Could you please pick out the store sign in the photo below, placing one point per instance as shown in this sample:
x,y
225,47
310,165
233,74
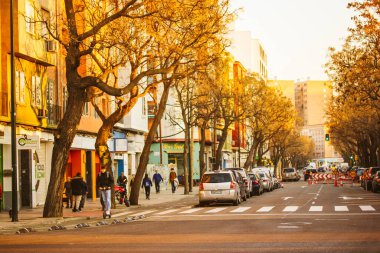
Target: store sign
x,y
40,170
173,147
28,141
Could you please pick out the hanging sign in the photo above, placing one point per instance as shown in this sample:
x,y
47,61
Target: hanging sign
x,y
28,141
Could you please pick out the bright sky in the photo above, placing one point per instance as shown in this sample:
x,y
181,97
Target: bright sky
x,y
295,33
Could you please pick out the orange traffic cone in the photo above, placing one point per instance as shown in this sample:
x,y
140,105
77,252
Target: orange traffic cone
x,y
336,182
341,182
309,180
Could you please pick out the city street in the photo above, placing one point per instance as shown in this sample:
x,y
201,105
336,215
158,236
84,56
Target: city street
x,y
296,218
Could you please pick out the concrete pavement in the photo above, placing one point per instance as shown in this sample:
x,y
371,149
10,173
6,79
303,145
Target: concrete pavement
x,y
91,213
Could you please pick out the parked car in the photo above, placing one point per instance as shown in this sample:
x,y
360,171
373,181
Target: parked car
x,y
276,183
257,183
368,181
376,182
247,182
290,174
267,181
359,173
243,186
219,186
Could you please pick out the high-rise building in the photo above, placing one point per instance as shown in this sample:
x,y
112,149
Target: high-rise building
x,y
286,86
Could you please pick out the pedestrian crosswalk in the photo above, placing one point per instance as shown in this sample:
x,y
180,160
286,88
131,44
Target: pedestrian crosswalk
x,y
257,210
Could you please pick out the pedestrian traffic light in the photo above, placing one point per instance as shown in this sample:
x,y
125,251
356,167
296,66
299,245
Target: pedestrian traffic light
x,y
327,137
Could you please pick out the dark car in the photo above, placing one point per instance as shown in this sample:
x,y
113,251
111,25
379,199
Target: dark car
x,y
257,183
240,180
376,182
368,181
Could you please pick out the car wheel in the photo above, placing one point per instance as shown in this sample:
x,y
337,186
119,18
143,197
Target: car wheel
x,y
248,195
201,204
245,197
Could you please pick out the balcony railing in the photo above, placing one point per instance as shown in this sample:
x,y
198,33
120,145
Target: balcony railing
x,y
54,114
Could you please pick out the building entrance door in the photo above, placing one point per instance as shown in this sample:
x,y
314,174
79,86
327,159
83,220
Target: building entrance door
x,y
26,178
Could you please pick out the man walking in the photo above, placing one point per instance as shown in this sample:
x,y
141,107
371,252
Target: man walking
x,y
157,178
172,178
147,183
77,185
104,182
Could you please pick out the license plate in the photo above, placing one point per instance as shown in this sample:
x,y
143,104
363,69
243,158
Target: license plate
x,y
216,192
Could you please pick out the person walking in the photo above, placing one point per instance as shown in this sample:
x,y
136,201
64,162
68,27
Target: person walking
x,y
147,183
104,182
77,189
122,182
157,178
172,179
68,192
84,195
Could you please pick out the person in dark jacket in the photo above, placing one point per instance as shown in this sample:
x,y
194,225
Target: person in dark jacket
x,y
104,182
157,178
147,183
77,189
84,195
68,192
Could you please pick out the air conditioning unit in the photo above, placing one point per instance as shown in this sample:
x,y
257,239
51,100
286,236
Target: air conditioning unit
x,y
51,45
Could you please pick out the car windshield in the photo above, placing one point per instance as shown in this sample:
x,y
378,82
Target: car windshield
x,y
289,170
262,174
216,178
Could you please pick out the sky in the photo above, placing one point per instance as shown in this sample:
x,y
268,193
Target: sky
x,y
295,34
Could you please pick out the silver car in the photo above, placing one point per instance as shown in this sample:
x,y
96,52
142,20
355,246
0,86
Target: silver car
x,y
267,181
247,181
290,174
219,186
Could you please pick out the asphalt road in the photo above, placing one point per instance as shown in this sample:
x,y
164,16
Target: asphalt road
x,y
296,218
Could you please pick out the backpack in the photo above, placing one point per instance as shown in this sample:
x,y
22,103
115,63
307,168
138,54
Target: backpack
x,y
147,183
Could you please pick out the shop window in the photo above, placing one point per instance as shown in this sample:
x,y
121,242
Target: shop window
x,y
29,17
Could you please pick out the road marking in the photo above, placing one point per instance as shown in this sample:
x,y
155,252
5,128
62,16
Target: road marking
x,y
316,209
341,209
145,212
349,198
287,226
286,198
167,211
121,214
265,209
290,209
303,186
216,210
240,210
193,210
367,208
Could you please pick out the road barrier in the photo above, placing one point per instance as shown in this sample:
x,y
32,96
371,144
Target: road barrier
x,y
327,178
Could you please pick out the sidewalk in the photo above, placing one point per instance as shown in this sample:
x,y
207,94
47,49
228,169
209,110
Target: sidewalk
x,y
91,213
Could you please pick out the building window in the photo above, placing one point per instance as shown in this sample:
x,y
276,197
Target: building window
x,y
50,94
29,17
20,87
85,109
36,91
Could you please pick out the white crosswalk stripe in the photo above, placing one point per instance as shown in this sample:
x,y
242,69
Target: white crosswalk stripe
x,y
145,212
193,210
290,209
265,209
167,211
341,209
316,209
240,209
367,208
216,210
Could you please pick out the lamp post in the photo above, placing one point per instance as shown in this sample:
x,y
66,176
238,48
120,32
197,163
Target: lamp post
x,y
13,124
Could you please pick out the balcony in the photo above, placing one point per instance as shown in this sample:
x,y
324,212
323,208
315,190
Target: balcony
x,y
54,114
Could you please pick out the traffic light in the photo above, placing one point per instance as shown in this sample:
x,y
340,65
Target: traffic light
x,y
327,137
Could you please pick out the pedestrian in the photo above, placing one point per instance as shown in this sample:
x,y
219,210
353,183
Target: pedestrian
x,y
104,182
77,189
122,180
68,193
172,179
157,178
84,195
147,183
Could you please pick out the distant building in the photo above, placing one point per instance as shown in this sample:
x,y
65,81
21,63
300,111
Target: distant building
x,y
286,86
250,52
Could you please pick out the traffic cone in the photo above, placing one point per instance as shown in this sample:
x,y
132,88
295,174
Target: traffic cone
x,y
341,182
309,180
336,182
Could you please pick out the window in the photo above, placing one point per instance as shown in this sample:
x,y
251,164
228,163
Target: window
x,y
96,116
85,109
44,25
50,93
29,17
36,91
20,87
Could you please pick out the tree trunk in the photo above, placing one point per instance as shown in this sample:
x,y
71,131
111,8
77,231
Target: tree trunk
x,y
223,139
144,158
186,161
202,162
191,157
251,155
64,137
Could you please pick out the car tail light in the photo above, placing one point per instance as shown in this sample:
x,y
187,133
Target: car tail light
x,y
201,187
255,182
246,182
232,185
265,180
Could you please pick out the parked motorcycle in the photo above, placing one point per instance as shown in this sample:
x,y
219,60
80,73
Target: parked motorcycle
x,y
121,195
